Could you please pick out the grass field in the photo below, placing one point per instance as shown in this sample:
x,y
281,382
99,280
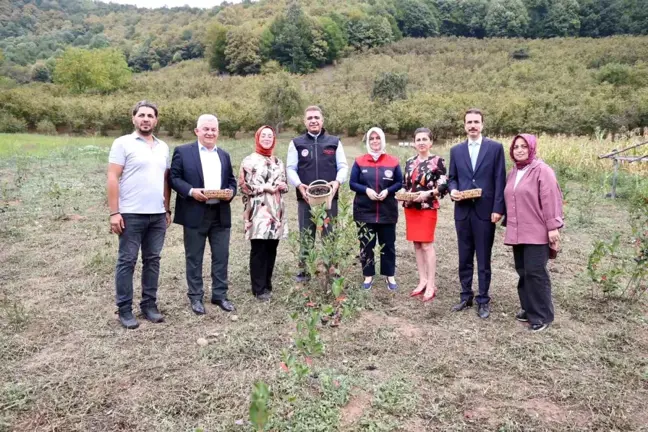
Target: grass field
x,y
395,364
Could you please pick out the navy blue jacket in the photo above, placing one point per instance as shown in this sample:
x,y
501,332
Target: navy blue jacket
x,y
385,173
187,173
489,175
317,160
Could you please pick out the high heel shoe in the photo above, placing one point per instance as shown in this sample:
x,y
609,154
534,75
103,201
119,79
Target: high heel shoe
x,y
430,298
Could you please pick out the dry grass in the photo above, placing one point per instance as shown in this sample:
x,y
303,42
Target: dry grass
x,y
66,365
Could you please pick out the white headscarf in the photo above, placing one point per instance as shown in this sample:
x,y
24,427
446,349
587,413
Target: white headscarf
x,y
383,143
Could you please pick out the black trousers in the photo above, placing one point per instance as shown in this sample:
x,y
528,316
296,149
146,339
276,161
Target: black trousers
x,y
475,237
534,286
386,236
263,254
194,244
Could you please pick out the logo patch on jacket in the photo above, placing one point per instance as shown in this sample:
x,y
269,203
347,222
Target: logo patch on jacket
x,y
305,152
389,173
329,152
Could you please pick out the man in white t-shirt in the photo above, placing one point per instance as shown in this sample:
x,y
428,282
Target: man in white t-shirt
x,y
138,197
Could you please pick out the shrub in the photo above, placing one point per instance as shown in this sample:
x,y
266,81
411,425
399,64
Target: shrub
x,y
619,74
390,86
11,124
46,127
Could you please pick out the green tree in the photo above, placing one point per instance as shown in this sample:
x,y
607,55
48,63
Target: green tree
x,y
243,51
507,18
390,86
281,99
600,18
368,31
100,71
415,19
562,19
335,38
290,40
553,18
462,17
216,43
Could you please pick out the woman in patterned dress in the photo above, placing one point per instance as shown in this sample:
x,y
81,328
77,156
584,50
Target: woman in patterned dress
x,y
424,173
262,181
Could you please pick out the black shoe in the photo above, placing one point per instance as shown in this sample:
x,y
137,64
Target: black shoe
x,y
127,319
224,304
538,327
302,276
152,313
483,311
464,304
198,307
522,316
266,296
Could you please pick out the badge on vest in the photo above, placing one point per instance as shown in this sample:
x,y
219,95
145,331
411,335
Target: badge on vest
x,y
329,152
389,173
305,152
364,171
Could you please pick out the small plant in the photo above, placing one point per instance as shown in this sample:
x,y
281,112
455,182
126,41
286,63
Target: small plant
x,y
57,196
621,268
308,339
330,260
14,312
259,406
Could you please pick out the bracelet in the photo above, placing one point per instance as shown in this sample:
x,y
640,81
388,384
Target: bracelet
x,y
115,213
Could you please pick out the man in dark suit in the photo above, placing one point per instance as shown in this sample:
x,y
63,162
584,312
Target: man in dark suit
x,y
477,163
197,167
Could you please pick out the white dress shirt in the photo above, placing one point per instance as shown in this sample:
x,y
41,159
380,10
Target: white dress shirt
x,y
211,166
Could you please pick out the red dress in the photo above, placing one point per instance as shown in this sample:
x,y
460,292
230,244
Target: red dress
x,y
421,218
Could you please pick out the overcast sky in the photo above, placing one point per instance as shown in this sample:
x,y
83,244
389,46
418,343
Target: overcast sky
x,y
171,3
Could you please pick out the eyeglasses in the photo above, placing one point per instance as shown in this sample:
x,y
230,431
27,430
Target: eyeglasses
x,y
313,118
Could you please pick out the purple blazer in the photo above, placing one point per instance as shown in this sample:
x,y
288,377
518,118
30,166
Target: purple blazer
x,y
534,207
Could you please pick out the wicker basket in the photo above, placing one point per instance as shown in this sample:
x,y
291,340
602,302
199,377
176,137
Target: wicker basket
x,y
471,193
221,194
403,195
315,200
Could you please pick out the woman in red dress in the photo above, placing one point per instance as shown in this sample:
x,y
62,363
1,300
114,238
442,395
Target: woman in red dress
x,y
424,173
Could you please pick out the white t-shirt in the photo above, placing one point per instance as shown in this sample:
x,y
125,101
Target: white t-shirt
x,y
519,175
141,186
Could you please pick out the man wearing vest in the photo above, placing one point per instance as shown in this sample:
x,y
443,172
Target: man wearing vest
x,y
315,155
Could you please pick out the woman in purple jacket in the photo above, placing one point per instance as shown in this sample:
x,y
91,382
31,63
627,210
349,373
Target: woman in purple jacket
x,y
533,217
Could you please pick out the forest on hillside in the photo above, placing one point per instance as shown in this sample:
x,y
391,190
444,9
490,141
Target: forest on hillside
x,y
268,35
579,86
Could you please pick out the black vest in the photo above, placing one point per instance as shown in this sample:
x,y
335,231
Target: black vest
x,y
316,158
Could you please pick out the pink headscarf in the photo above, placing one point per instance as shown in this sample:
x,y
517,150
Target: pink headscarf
x,y
532,142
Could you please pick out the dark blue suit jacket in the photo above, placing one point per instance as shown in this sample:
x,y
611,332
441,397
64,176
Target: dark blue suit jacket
x,y
489,175
187,173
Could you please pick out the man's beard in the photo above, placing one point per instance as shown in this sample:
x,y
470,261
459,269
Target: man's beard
x,y
145,132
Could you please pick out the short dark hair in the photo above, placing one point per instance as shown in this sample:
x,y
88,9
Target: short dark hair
x,y
314,108
145,104
425,131
474,111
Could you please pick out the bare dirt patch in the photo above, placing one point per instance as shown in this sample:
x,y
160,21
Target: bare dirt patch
x,y
355,408
402,326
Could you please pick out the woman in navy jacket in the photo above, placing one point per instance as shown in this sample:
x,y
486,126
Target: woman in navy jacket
x,y
375,178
